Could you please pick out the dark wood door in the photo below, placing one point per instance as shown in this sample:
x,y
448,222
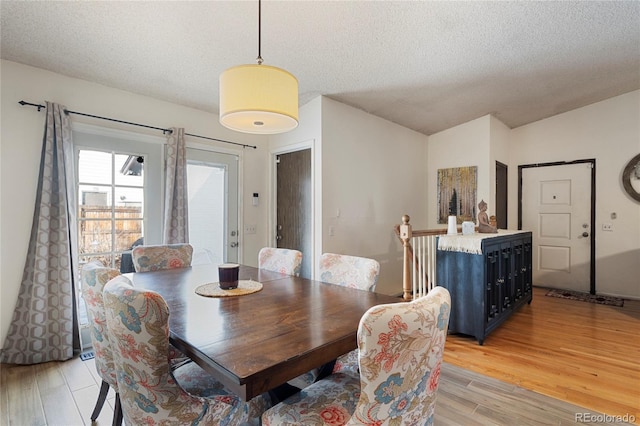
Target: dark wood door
x,y
293,208
501,195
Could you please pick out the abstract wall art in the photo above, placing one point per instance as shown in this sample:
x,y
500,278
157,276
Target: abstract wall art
x,y
457,190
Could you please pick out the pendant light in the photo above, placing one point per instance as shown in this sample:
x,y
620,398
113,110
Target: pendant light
x,y
258,98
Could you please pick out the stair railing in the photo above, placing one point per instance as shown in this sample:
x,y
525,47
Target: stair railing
x,y
419,267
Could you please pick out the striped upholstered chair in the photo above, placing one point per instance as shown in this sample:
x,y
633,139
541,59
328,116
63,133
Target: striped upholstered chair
x,y
150,391
157,257
401,348
286,261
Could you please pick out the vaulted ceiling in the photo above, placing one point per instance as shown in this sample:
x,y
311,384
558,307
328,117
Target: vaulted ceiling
x,y
427,65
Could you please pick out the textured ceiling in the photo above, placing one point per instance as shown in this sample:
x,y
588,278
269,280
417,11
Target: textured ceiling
x,y
422,64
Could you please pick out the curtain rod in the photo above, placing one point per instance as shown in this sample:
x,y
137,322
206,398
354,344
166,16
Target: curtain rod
x,y
164,131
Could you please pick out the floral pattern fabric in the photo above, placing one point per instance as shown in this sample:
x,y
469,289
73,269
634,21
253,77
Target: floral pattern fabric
x,y
401,347
306,379
347,363
285,261
94,277
354,272
138,321
155,258
349,271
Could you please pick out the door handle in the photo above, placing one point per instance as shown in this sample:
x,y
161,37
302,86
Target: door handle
x,y
234,244
585,234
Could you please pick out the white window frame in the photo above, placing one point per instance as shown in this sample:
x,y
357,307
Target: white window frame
x,y
151,147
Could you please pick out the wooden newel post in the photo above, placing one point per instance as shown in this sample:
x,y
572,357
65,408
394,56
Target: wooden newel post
x,y
405,237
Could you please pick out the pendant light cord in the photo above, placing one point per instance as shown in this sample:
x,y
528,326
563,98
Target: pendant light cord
x,y
259,58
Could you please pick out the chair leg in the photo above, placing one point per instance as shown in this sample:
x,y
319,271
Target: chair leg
x,y
117,412
104,390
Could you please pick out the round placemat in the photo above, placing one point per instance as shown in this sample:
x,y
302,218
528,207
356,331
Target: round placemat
x,y
244,287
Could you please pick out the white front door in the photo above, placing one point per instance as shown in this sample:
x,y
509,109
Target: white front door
x,y
556,207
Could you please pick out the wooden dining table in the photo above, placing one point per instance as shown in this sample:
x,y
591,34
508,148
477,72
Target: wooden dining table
x,y
255,342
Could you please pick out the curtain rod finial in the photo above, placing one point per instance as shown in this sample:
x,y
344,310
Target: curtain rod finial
x,y
23,103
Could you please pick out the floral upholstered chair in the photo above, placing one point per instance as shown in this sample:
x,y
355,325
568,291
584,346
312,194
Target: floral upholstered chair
x,y
138,323
354,272
159,257
347,271
286,261
401,347
94,277
155,258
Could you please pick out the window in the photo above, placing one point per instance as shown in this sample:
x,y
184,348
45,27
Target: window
x,y
119,190
206,210
119,184
120,197
212,180
110,205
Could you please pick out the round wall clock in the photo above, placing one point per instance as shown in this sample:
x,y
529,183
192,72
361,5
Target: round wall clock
x,y
631,171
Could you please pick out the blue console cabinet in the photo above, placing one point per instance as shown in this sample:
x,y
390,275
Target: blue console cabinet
x,y
486,288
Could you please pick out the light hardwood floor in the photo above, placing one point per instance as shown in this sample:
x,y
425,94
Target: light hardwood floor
x,y
551,361
583,353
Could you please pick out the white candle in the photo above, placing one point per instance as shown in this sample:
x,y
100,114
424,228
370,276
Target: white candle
x,y
453,226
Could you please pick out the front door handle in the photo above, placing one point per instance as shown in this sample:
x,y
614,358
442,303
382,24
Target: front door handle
x,y
585,234
234,244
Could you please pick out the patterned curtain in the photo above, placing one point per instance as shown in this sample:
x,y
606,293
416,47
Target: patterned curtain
x,y
176,217
44,325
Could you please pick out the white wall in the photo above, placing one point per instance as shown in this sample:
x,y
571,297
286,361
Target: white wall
x,y
21,137
608,131
368,173
465,145
373,172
